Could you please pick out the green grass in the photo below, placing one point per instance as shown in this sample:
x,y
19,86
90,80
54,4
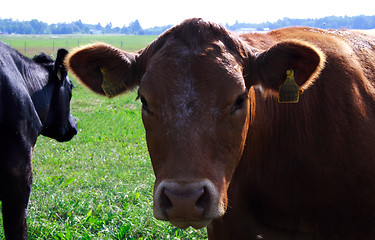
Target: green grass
x,y
50,43
99,185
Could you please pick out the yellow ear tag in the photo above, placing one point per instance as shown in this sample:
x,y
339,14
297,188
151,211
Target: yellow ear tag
x,y
112,87
289,90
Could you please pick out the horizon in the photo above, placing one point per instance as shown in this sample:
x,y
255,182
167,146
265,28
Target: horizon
x,y
230,24
167,12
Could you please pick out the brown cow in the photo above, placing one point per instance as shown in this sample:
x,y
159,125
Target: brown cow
x,y
226,154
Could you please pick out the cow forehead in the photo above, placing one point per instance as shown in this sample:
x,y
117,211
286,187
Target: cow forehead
x,y
192,89
181,71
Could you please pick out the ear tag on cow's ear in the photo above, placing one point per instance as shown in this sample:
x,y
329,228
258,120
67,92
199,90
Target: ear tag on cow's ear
x,y
289,90
112,87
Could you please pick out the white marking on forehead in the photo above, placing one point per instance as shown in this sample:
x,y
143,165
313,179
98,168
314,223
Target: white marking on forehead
x,y
185,101
190,114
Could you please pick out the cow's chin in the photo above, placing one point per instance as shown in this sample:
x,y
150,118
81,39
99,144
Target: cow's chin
x,y
194,224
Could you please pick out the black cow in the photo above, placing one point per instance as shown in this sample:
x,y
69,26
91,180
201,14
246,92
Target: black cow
x,y
34,99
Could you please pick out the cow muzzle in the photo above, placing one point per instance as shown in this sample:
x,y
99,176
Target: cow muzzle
x,y
69,131
187,204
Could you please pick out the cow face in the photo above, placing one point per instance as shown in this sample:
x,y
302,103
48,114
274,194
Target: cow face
x,y
194,85
59,123
195,112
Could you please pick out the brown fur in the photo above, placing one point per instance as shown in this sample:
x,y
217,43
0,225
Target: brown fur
x,y
280,171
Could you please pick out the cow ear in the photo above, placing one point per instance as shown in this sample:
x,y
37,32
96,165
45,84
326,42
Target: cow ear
x,y
104,69
59,67
270,67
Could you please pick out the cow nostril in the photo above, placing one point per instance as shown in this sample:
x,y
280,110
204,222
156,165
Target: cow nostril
x,y
74,130
165,202
203,201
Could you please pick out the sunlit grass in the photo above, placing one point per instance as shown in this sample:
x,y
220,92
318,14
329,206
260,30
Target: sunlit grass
x,y
31,45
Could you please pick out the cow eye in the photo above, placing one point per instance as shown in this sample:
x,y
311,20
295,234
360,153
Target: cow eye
x,y
145,106
239,103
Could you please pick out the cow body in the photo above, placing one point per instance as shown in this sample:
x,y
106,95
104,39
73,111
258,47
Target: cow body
x,y
308,169
33,101
226,154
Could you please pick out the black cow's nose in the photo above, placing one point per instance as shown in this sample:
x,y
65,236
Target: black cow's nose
x,y
73,126
74,131
69,132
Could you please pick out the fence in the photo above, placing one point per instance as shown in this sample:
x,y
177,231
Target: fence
x,y
25,49
33,45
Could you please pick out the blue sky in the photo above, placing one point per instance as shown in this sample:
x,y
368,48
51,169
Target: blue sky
x,y
164,12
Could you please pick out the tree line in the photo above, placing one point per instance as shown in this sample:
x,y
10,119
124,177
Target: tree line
x,y
332,22
10,26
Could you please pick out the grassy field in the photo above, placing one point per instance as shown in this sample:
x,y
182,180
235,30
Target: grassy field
x,y
31,45
99,185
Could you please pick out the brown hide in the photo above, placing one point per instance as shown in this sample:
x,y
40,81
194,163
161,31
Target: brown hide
x,y
308,170
226,154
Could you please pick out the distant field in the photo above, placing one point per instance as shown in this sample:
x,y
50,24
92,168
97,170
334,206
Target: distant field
x,y
99,185
50,43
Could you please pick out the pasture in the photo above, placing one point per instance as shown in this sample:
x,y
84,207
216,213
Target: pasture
x,y
99,185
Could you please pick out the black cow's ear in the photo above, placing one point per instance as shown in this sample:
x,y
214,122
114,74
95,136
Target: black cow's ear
x,y
59,68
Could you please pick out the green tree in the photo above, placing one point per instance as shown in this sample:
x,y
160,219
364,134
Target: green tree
x,y
135,27
38,27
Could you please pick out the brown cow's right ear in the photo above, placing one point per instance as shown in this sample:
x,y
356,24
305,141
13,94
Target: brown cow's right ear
x,y
104,69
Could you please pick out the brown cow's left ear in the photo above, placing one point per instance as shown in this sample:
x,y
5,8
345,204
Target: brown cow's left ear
x,y
269,68
104,69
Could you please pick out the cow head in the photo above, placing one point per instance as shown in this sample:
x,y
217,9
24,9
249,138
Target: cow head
x,y
194,83
58,123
